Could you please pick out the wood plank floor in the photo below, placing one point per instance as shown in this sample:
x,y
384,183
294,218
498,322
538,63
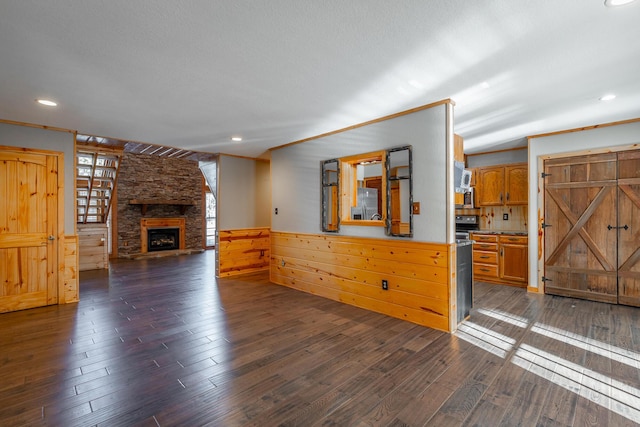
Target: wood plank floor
x,y
160,342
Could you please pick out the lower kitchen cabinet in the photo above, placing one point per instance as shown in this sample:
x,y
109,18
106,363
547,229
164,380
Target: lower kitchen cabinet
x,y
500,258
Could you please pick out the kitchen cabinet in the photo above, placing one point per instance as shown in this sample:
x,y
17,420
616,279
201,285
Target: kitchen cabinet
x,y
500,258
516,184
504,185
485,256
474,177
513,258
491,186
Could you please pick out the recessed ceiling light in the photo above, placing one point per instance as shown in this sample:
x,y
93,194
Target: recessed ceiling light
x,y
485,85
47,102
614,3
236,138
608,97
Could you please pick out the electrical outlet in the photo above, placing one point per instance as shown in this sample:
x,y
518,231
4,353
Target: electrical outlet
x,y
385,285
275,211
505,217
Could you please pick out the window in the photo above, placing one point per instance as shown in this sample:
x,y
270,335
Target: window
x,y
362,194
371,189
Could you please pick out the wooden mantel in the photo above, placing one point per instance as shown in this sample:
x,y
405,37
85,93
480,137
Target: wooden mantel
x,y
184,204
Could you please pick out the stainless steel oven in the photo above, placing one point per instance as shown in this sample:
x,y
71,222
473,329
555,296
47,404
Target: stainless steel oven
x,y
466,224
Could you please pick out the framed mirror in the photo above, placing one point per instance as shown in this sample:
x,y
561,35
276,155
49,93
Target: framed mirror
x,y
399,186
330,199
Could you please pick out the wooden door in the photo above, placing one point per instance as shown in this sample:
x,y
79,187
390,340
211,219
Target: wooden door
x,y
628,228
491,182
516,184
28,229
580,250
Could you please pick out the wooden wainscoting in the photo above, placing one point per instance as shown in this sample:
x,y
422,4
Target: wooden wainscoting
x,y
351,270
70,292
93,246
242,251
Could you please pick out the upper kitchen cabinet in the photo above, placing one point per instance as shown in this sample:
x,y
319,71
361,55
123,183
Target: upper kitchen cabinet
x,y
491,186
502,185
516,184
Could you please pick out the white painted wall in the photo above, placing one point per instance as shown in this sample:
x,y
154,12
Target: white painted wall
x,y
603,139
243,193
29,137
263,193
499,158
295,174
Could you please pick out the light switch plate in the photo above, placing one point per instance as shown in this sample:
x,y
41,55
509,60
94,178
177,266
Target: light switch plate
x,y
416,208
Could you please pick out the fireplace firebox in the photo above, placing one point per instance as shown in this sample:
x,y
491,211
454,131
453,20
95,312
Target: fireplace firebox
x,y
161,225
163,239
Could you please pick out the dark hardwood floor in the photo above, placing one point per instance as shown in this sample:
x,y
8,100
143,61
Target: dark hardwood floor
x,y
160,342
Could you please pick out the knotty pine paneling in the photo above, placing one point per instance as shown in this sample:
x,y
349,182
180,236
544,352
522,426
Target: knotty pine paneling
x,y
491,218
351,270
70,292
93,247
242,251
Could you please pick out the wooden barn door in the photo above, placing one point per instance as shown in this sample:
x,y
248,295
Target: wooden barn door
x,y
580,209
28,229
629,227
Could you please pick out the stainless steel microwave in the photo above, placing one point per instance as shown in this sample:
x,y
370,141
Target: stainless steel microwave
x,y
469,202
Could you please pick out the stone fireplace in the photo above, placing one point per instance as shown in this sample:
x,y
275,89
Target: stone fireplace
x,y
161,234
154,184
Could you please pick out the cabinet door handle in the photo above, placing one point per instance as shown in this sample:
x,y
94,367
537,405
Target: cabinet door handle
x,y
484,257
484,269
507,196
501,252
500,197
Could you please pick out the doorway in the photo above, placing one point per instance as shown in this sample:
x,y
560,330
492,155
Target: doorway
x,y
209,171
210,219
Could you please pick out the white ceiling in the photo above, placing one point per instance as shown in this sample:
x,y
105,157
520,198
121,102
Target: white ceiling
x,y
192,73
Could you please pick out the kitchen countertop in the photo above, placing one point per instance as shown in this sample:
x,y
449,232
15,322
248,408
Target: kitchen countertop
x,y
516,233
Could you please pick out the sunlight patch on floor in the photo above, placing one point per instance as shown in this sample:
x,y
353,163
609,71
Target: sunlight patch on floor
x,y
618,354
488,340
598,388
